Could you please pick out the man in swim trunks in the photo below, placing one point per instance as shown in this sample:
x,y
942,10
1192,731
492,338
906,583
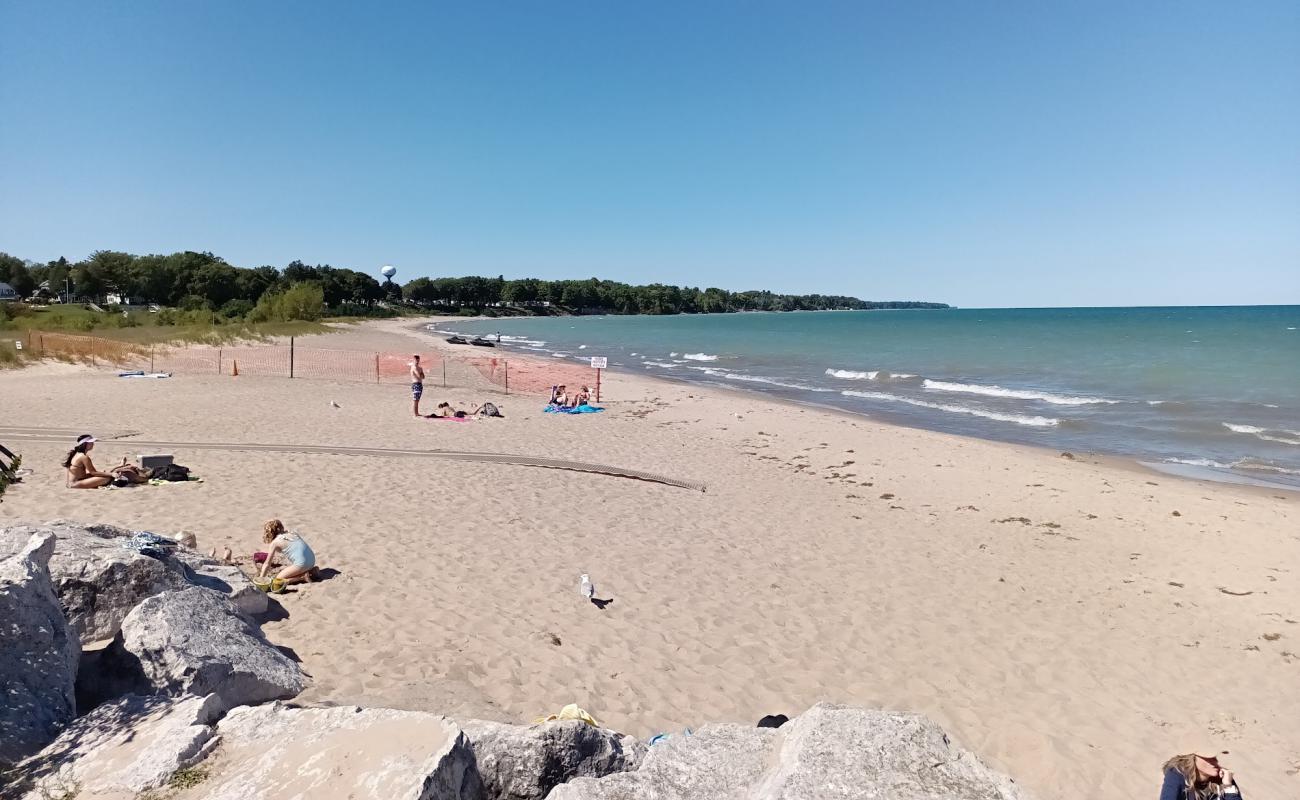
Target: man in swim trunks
x,y
417,384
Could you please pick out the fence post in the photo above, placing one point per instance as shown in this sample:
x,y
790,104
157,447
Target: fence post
x,y
219,353
376,368
92,351
42,336
290,356
151,358
444,372
506,365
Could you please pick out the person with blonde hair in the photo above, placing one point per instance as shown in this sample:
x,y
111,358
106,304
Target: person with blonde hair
x,y
1193,777
296,551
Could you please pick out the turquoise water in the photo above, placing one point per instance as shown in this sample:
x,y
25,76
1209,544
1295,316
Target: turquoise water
x,y
1217,388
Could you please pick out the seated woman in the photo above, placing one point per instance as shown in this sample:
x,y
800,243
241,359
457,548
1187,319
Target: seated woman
x,y
559,396
301,560
83,475
582,398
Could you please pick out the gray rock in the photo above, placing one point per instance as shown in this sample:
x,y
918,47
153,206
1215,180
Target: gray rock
x,y
225,578
125,747
342,752
827,753
519,762
98,581
38,653
195,641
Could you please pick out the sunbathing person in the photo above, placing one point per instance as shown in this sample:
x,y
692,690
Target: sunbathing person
x,y
301,560
559,397
445,410
83,475
582,398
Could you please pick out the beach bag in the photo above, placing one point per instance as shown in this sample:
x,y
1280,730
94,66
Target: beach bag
x,y
171,472
490,410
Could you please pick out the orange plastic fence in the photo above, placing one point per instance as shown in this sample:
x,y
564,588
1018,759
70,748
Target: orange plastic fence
x,y
522,376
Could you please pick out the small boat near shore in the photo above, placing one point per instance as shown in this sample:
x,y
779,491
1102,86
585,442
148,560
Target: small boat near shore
x,y
456,340
481,342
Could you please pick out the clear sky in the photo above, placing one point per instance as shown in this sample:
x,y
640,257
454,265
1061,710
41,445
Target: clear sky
x,y
983,154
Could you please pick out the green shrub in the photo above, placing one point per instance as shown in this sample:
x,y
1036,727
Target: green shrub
x,y
165,316
236,309
301,301
192,302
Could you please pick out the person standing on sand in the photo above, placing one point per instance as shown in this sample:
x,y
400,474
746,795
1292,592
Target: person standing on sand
x,y
1193,777
417,384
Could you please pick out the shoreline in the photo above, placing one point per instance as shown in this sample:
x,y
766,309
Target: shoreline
x,y
1200,475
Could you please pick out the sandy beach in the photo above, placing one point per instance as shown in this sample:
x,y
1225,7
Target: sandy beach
x,y
1073,620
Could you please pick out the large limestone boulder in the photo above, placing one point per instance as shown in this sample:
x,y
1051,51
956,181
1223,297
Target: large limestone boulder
x,y
195,641
122,748
341,752
827,753
38,653
224,578
99,581
519,762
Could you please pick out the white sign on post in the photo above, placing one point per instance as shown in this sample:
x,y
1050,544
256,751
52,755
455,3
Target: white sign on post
x,y
18,345
599,362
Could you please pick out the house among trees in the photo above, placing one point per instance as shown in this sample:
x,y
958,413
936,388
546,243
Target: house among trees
x,y
8,292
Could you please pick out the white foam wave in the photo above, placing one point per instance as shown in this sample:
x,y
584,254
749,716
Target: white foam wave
x,y
1198,462
1282,436
851,375
524,340
659,364
699,357
1019,394
1019,419
739,376
1242,428
582,347
560,355
672,355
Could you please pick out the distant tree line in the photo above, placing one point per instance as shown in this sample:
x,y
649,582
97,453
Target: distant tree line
x,y
204,282
593,295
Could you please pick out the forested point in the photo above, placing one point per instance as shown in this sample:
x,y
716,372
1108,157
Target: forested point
x,y
193,281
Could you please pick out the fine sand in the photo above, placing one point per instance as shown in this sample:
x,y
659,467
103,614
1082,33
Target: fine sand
x,y
1075,621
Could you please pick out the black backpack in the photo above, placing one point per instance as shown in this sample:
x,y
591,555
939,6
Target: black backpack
x,y
171,472
489,410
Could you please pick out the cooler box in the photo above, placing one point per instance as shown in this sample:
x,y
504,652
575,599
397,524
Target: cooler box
x,y
154,461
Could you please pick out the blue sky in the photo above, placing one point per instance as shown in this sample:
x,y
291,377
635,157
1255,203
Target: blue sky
x,y
983,154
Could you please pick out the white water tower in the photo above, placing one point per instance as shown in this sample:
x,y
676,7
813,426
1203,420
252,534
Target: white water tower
x,y
388,272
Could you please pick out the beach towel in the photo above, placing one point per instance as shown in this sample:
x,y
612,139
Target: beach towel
x,y
575,410
143,374
452,419
571,711
160,482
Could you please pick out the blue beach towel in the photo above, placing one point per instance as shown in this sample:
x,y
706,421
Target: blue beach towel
x,y
575,410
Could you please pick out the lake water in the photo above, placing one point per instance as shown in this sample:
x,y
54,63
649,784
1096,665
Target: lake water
x,y
1207,389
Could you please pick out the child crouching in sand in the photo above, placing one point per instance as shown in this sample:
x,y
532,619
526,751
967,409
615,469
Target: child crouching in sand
x,y
296,551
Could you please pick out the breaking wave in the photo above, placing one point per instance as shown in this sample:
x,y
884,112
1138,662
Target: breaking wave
x,y
1019,394
1018,419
